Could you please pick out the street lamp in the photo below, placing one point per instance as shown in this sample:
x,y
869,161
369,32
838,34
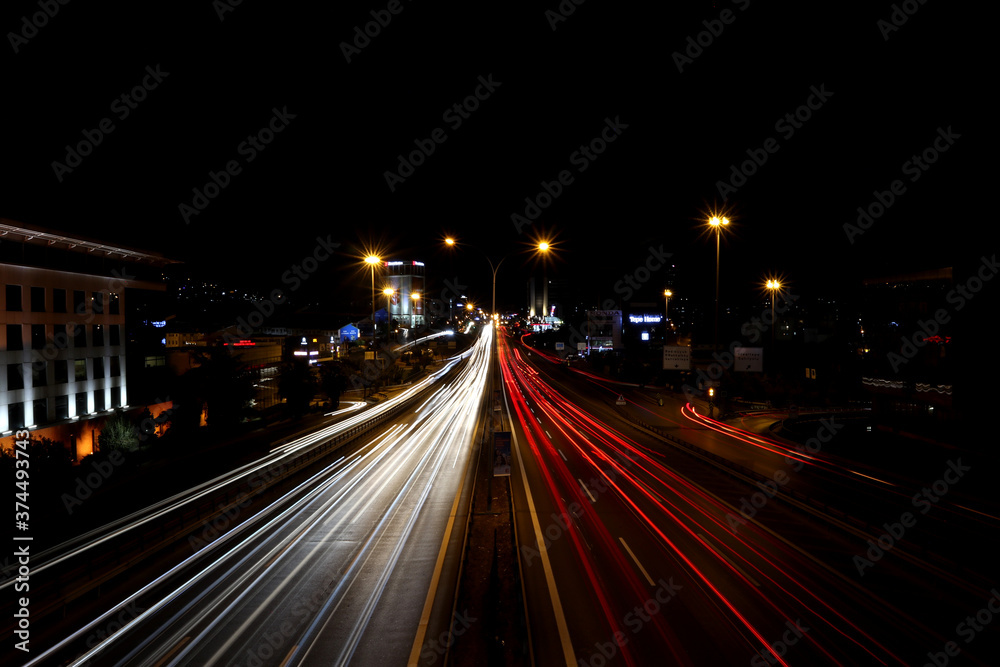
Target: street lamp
x,y
450,242
372,260
666,310
416,297
773,286
388,291
717,223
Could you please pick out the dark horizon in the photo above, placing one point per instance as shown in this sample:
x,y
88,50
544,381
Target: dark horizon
x,y
877,98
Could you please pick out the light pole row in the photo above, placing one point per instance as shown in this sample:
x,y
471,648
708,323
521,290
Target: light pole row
x,y
716,223
543,247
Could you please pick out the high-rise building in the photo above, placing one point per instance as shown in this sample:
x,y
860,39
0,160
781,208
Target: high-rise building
x,y
406,305
538,297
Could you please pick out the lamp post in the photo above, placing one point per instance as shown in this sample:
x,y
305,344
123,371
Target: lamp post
x,y
543,246
372,260
416,298
666,312
388,291
717,223
450,242
773,286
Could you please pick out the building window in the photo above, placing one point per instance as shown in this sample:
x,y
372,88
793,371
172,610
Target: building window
x,y
81,404
14,340
114,334
97,336
39,373
58,300
15,415
61,336
98,368
62,407
99,401
116,367
38,299
97,302
114,303
80,370
62,371
116,397
79,302
15,377
37,336
79,335
13,297
41,411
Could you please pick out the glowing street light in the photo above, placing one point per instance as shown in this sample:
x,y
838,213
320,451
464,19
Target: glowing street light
x,y
717,224
372,260
542,246
773,286
416,297
388,291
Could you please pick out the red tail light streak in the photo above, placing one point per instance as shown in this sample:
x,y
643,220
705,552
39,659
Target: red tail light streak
x,y
660,498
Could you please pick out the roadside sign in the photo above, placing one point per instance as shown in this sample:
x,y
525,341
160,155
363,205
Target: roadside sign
x,y
676,357
621,400
748,359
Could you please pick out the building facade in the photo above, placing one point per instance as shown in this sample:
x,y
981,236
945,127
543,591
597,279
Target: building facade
x,y
406,305
62,339
905,346
604,330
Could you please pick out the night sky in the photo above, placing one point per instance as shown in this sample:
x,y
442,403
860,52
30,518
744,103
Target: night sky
x,y
223,73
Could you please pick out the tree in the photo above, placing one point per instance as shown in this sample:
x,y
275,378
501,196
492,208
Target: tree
x,y
333,382
228,389
119,433
43,453
146,426
297,385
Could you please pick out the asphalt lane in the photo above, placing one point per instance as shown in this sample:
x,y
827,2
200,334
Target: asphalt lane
x,y
341,575
752,582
